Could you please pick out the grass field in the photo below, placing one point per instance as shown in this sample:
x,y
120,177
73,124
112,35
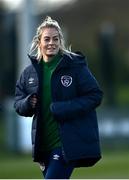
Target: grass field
x,y
112,165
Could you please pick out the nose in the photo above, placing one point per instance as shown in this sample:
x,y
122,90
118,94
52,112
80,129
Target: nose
x,y
51,41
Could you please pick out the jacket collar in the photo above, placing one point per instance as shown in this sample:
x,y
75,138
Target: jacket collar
x,y
67,60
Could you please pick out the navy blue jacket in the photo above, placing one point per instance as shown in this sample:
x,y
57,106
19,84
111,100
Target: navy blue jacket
x,y
75,96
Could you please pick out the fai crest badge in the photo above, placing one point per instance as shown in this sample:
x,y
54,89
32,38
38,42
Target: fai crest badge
x,y
66,80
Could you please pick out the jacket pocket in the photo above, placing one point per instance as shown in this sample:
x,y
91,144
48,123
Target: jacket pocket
x,y
86,131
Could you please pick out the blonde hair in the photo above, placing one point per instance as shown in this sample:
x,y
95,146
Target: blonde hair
x,y
48,22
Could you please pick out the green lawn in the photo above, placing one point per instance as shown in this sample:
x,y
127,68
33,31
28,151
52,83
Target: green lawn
x,y
112,165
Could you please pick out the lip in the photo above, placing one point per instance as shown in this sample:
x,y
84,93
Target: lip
x,y
51,49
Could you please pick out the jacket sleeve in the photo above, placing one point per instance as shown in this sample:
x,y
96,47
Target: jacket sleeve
x,y
90,96
21,103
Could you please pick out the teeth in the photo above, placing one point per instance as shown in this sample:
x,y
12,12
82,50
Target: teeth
x,y
51,48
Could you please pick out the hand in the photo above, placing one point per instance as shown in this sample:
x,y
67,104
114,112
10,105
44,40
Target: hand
x,y
33,101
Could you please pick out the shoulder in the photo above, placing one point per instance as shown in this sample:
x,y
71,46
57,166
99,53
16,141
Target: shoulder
x,y
76,58
28,69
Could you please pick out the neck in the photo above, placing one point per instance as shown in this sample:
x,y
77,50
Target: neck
x,y
48,58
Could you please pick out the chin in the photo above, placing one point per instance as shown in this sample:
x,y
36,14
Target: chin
x,y
52,54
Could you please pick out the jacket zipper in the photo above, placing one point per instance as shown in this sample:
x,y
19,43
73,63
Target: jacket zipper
x,y
62,148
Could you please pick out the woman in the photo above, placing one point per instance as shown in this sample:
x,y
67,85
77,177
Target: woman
x,y
61,94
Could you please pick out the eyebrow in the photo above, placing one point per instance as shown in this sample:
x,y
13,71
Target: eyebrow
x,y
53,36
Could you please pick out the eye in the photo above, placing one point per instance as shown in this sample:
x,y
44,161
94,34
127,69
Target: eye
x,y
56,39
46,39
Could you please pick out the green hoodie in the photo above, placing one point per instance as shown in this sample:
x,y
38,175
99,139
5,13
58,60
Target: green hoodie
x,y
51,137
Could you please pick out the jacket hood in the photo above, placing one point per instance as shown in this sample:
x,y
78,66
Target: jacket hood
x,y
76,58
33,58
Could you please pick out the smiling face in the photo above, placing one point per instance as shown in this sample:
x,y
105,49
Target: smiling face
x,y
49,43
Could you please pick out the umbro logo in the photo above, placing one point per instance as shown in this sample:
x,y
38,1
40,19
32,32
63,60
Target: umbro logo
x,y
56,157
31,80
